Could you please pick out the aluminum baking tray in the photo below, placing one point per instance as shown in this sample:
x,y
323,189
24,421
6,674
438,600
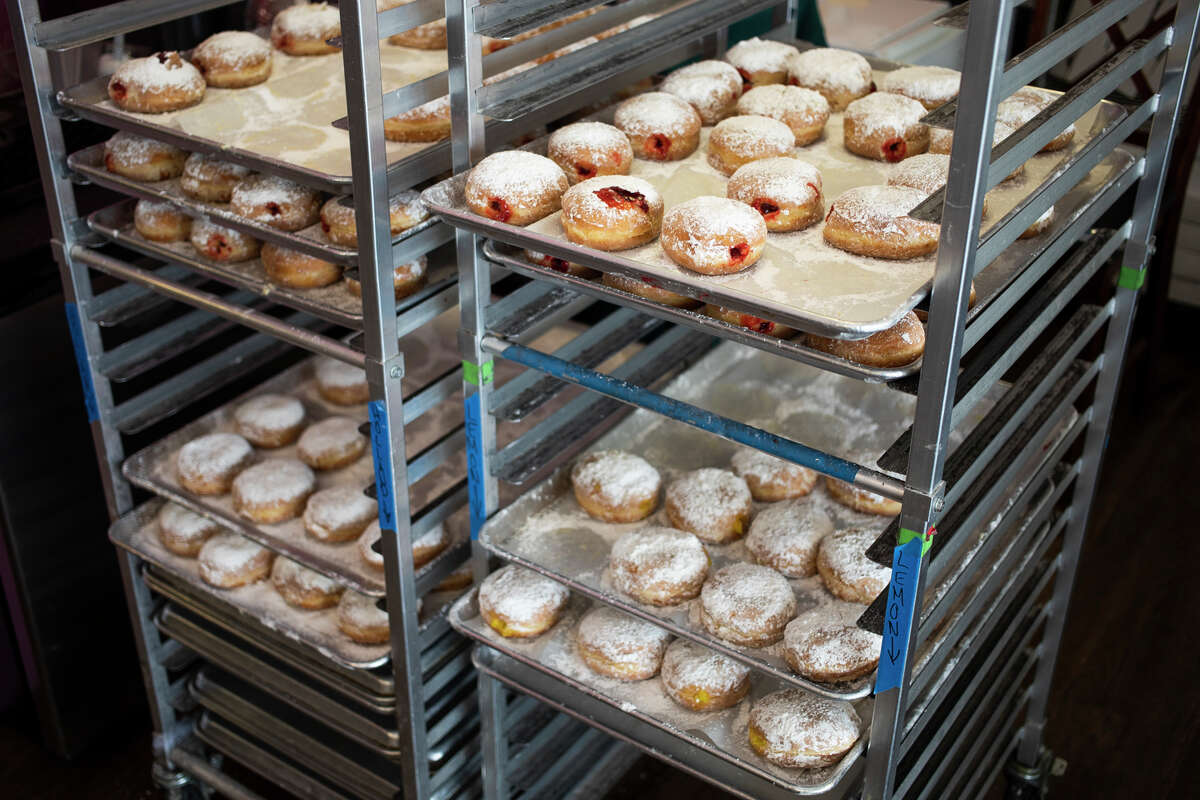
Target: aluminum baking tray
x,y
136,532
281,126
311,240
800,280
153,468
546,530
323,699
721,734
358,769
335,303
263,759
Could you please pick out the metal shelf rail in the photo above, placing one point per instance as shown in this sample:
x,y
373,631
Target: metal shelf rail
x,y
153,324
1002,615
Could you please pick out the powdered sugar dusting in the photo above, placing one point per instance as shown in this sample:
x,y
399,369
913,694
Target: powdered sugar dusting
x,y
794,720
226,554
776,99
271,412
657,558
275,480
704,499
205,167
689,664
309,20
929,84
927,172
748,600
585,199
138,149
520,177
338,507
832,68
760,55
339,374
214,453
656,112
287,571
366,545
711,87
786,535
330,434
885,113
877,208
845,552
162,71
704,220
753,134
616,476
782,180
580,138
822,645
234,48
258,190
185,524
622,638
520,594
361,611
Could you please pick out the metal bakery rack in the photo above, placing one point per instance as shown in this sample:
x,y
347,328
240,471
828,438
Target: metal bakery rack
x,y
990,532
165,340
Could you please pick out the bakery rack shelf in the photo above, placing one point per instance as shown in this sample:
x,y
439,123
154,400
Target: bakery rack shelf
x,y
991,522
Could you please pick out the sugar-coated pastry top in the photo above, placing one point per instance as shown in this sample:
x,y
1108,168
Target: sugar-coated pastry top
x,y
159,72
832,68
784,179
607,199
339,374
663,555
883,112
615,476
259,190
621,637
362,611
876,208
775,99
520,594
709,86
225,554
706,218
752,133
786,536
236,49
213,453
582,138
303,578
275,480
183,523
927,172
338,507
828,645
270,412
760,55
744,595
138,149
517,175
656,112
845,551
793,719
687,663
307,21
927,83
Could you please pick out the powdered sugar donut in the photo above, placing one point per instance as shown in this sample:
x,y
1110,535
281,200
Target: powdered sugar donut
x,y
428,122
740,140
617,645
338,514
712,503
515,186
304,29
613,212
771,479
760,61
461,578
424,549
932,86
274,490
228,560
361,618
711,87
659,566
559,264
276,201
270,420
840,75
885,127
901,344
142,159
208,464
748,321
861,499
302,587
183,531
643,288
795,729
615,486
332,443
407,278
829,651
341,383
233,59
873,221
785,191
590,149
747,604
218,243
713,235
701,679
208,178
1039,225
785,536
846,570
291,268
1027,103
803,110
519,603
927,172
660,126
337,216
941,140
160,82
161,222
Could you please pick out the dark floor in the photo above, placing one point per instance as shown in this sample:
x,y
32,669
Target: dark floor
x,y
1126,713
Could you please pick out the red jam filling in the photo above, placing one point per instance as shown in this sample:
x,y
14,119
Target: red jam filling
x,y
118,90
162,57
558,265
829,214
746,82
895,149
768,209
816,191
217,248
273,209
756,323
325,226
657,146
499,210
585,170
616,197
738,253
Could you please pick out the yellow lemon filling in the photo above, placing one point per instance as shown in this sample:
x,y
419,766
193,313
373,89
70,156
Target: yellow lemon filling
x,y
500,628
758,741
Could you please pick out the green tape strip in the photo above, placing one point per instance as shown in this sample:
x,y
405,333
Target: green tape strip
x,y
1131,278
907,536
473,373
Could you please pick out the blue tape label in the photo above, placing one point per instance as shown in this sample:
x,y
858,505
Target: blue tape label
x,y
381,450
897,622
475,473
81,361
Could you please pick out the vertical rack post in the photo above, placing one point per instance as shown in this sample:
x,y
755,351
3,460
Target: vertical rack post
x,y
465,73
987,39
385,370
1134,263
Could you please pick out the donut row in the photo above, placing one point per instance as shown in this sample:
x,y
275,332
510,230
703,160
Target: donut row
x,y
227,560
267,199
791,728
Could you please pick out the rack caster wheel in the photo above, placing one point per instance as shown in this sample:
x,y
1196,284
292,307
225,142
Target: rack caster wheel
x,y
175,785
1032,783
